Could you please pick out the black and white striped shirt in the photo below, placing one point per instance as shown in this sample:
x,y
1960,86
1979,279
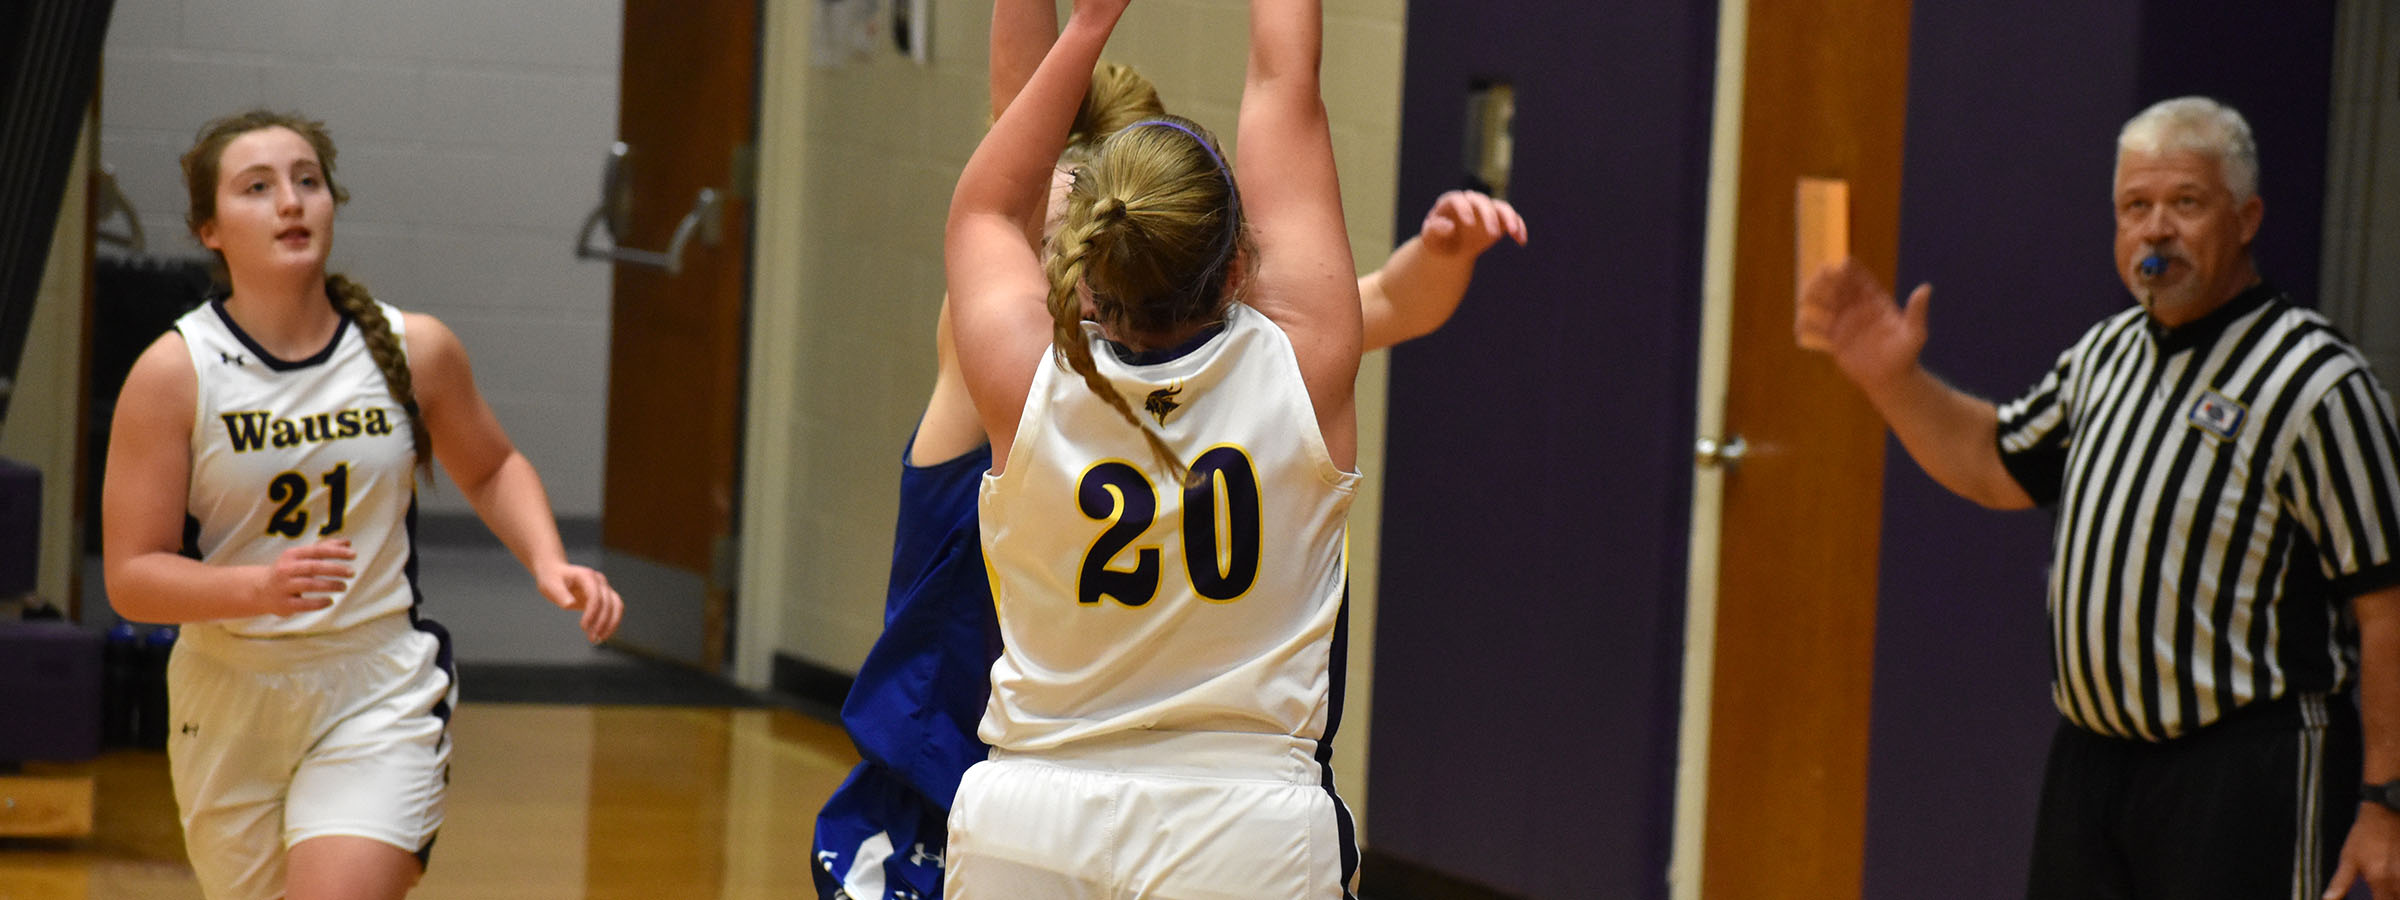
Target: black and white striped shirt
x,y
2222,490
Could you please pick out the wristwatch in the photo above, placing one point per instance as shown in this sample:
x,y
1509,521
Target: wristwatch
x,y
2386,795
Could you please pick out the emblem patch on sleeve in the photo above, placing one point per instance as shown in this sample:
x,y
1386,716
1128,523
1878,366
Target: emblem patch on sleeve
x,y
2217,415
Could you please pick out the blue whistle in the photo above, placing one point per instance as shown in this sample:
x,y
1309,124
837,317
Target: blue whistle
x,y
2152,266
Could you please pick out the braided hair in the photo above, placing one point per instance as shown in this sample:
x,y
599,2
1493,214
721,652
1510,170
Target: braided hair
x,y
1153,227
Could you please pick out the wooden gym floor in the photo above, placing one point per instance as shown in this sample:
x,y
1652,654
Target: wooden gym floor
x,y
547,802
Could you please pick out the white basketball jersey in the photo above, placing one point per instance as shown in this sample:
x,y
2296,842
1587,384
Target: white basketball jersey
x,y
1128,601
286,453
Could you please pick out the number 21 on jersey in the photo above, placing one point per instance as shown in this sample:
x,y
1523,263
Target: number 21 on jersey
x,y
289,493
1222,564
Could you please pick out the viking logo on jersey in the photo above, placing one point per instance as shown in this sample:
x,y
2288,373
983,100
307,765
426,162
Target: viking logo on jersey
x,y
2217,415
255,430
1162,402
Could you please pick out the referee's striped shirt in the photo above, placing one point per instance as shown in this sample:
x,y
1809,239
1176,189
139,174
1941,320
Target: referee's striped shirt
x,y
2222,490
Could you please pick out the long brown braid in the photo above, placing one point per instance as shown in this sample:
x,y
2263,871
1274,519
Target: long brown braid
x,y
1066,267
201,166
1153,228
389,353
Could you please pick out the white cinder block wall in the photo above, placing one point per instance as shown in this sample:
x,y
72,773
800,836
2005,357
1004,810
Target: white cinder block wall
x,y
471,135
883,143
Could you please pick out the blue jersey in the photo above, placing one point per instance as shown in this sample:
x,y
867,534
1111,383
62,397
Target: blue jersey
x,y
913,708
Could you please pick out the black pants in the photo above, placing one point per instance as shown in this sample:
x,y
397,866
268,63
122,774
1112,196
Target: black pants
x,y
2250,808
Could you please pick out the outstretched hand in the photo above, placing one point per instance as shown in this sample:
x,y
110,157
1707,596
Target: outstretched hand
x,y
301,578
1845,313
584,589
1469,222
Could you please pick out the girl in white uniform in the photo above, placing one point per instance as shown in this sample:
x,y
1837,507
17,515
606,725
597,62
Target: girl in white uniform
x,y
1165,524
262,492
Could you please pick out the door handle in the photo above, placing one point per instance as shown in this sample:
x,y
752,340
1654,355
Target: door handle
x,y
706,220
1723,454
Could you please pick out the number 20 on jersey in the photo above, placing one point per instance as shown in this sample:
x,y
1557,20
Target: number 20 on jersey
x,y
1221,567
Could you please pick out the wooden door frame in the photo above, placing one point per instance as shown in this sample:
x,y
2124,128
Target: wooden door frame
x,y
1771,780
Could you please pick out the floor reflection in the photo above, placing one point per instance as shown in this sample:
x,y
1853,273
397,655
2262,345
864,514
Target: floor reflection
x,y
546,803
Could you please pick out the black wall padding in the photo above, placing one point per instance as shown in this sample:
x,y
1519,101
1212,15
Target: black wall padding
x,y
49,57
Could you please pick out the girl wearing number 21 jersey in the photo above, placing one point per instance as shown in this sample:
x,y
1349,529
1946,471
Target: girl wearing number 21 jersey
x,y
261,491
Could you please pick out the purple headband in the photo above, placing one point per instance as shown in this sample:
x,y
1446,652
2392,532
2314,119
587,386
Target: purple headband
x,y
1224,254
1196,138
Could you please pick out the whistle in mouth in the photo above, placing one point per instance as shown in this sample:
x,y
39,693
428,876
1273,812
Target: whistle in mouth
x,y
2151,266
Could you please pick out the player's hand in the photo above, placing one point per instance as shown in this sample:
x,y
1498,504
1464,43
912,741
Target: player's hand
x,y
1844,312
303,578
1469,222
2370,855
585,590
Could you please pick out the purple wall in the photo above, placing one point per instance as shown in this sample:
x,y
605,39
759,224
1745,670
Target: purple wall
x,y
1530,631
2013,116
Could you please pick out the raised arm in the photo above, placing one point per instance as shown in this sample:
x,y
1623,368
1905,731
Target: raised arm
x,y
499,481
992,273
1022,31
1953,435
142,512
1305,281
1420,286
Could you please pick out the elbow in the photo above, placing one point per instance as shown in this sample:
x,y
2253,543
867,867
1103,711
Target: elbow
x,y
2004,504
128,598
1408,330
2001,494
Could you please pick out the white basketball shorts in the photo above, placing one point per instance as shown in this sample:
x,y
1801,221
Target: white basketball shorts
x,y
275,741
1159,816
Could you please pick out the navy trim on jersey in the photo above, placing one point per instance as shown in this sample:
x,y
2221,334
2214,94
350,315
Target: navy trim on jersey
x,y
340,327
1338,662
191,537
1132,357
408,568
443,657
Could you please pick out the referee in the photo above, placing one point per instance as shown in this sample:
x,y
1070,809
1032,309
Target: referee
x,y
2224,595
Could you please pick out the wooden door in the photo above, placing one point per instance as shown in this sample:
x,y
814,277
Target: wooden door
x,y
685,114
1823,94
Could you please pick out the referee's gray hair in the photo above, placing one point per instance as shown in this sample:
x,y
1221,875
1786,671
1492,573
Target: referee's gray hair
x,y
2198,125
